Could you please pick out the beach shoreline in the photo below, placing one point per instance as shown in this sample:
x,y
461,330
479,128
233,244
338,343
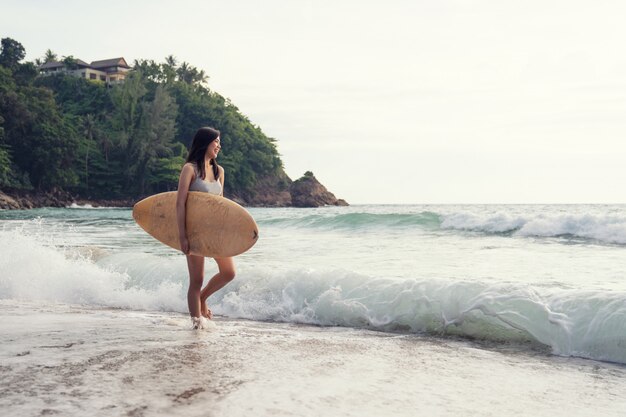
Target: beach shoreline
x,y
304,192
60,199
71,360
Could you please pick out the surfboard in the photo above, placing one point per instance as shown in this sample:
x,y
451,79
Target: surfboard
x,y
216,226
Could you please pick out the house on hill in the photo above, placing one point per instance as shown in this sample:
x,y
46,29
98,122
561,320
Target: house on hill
x,y
110,71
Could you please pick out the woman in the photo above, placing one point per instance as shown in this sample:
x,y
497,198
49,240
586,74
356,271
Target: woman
x,y
201,173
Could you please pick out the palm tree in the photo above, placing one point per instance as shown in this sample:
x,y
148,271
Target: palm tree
x,y
49,56
171,61
183,72
70,62
201,77
168,68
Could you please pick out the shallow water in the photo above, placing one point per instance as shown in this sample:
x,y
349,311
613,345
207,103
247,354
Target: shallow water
x,y
541,276
60,359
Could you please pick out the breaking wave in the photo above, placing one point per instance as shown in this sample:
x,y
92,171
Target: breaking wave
x,y
590,324
597,228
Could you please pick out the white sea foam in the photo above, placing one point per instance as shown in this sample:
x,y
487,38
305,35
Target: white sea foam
x,y
579,323
498,223
597,224
608,229
589,324
88,206
34,271
78,206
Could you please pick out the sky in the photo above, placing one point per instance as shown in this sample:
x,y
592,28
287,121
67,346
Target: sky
x,y
391,102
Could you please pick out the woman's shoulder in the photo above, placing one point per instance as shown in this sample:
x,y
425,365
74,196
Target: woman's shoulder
x,y
189,167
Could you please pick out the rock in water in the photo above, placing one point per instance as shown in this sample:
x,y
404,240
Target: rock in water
x,y
308,192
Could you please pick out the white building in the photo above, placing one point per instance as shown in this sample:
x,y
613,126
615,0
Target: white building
x,y
110,71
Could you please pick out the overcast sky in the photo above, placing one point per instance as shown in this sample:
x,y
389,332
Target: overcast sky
x,y
391,101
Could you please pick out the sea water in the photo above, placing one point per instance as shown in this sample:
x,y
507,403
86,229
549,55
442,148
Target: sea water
x,y
547,277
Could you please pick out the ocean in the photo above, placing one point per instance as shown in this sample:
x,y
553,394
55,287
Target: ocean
x,y
535,285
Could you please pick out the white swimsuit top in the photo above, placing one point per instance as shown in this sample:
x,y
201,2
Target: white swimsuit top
x,y
198,184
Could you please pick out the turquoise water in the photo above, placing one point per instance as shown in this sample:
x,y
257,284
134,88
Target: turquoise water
x,y
543,275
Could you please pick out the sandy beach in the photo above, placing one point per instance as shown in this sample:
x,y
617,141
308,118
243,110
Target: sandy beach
x,y
479,268
68,360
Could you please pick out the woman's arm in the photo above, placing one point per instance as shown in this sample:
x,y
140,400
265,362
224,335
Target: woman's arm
x,y
221,178
186,176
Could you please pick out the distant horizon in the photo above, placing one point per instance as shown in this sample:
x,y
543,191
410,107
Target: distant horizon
x,y
485,103
485,204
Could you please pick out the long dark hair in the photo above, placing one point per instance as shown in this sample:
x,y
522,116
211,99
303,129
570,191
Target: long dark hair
x,y
201,141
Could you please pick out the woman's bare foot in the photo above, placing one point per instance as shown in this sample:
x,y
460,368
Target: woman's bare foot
x,y
205,311
196,323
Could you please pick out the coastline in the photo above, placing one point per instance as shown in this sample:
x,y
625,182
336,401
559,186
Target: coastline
x,y
71,360
60,199
305,192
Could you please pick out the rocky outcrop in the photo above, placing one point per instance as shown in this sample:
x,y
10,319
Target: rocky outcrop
x,y
16,200
29,200
281,191
271,191
8,202
308,192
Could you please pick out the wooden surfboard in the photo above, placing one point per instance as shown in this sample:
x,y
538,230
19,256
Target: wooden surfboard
x,y
216,226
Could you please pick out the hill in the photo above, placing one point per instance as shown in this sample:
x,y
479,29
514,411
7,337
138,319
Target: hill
x,y
65,138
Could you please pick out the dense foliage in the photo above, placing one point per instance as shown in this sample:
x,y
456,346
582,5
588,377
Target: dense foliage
x,y
125,140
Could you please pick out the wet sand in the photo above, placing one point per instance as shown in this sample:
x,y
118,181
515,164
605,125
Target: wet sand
x,y
70,360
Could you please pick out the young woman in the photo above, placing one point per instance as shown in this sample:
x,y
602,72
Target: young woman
x,y
201,173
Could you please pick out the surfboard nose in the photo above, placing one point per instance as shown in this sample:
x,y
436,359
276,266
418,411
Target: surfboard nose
x,y
137,212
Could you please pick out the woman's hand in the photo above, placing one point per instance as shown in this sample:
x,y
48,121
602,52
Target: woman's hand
x,y
184,245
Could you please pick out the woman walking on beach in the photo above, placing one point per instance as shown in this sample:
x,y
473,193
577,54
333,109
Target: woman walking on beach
x,y
201,173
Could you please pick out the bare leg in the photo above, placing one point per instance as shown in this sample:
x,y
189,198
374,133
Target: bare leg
x,y
224,276
195,264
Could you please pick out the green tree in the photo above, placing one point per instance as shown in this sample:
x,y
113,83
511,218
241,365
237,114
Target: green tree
x,y
78,96
169,69
11,107
5,159
171,61
127,99
26,73
156,138
42,140
49,56
70,62
152,72
89,127
131,139
11,53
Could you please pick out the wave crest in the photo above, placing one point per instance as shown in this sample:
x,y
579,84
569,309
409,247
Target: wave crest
x,y
589,324
424,219
598,228
605,229
572,323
